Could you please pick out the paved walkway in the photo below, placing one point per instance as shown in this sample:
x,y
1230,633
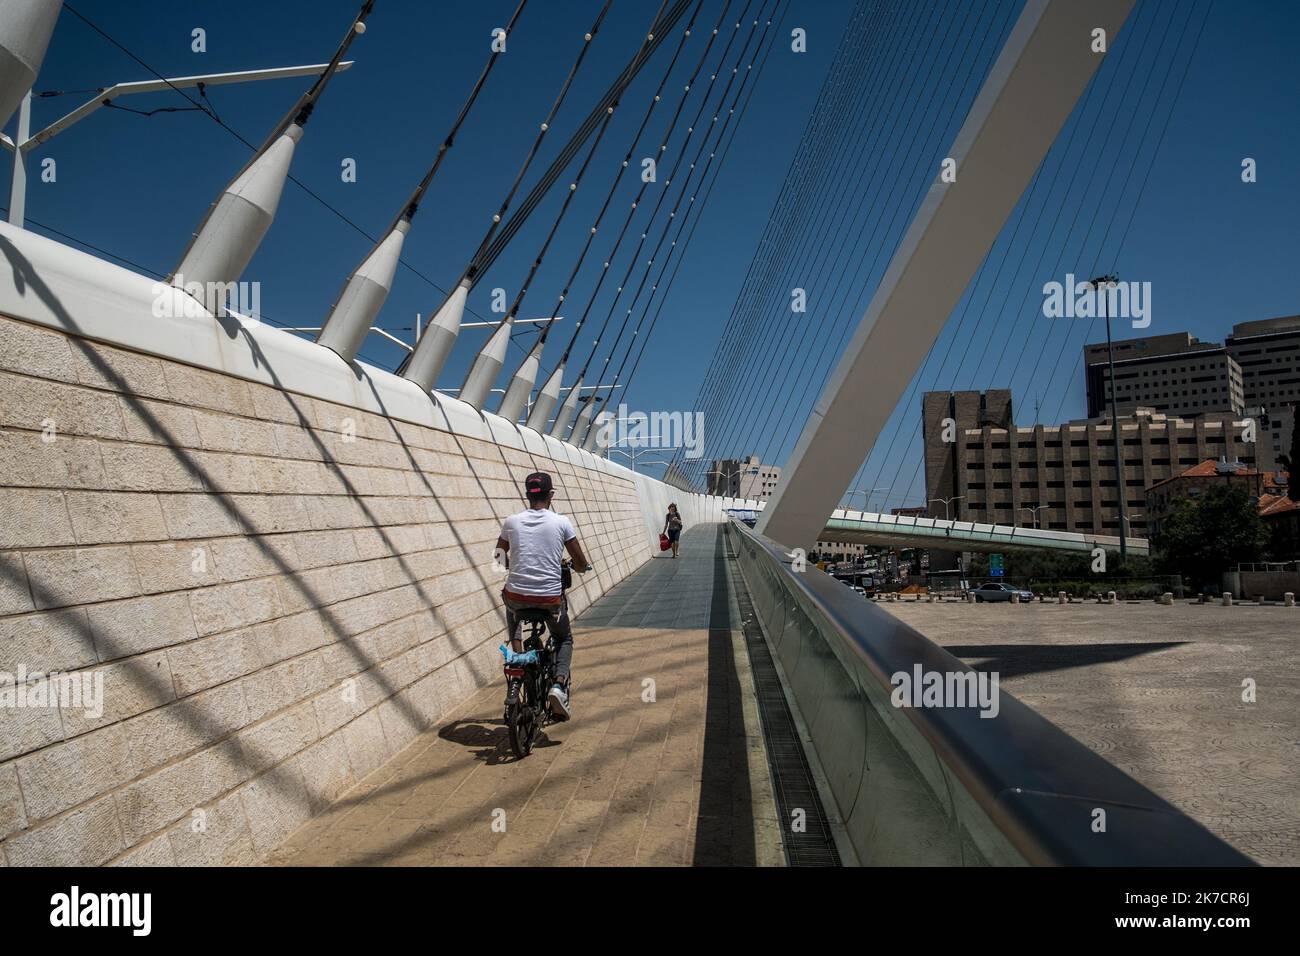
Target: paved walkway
x,y
670,778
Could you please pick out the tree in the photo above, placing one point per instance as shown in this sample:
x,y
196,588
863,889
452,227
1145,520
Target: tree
x,y
1205,536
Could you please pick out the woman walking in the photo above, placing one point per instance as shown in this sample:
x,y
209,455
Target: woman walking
x,y
673,527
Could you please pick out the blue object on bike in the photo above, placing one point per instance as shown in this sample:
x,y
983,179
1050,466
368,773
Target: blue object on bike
x,y
527,657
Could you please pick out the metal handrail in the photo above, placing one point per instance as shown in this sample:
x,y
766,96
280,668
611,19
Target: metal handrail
x,y
1038,787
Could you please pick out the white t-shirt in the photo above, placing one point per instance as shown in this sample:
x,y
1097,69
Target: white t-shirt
x,y
536,537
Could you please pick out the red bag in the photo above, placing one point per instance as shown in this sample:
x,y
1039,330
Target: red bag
x,y
664,543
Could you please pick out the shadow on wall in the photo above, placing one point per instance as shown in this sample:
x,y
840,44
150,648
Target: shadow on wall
x,y
211,728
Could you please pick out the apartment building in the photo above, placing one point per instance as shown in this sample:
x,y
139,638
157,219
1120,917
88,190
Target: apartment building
x,y
1061,477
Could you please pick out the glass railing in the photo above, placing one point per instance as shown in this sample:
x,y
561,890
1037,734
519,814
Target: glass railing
x,y
939,784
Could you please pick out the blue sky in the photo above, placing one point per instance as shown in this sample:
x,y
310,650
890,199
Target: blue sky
x,y
137,186
1216,251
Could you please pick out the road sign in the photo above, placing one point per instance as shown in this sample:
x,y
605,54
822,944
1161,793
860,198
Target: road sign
x,y
996,570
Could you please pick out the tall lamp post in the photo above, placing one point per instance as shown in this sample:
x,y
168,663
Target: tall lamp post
x,y
1108,281
1034,511
866,496
946,503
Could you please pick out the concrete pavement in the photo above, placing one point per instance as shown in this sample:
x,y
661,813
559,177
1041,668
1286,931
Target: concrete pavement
x,y
1157,691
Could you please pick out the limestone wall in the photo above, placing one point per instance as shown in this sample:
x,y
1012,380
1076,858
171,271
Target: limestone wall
x,y
277,589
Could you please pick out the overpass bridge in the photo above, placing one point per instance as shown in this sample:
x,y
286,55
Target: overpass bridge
x,y
909,531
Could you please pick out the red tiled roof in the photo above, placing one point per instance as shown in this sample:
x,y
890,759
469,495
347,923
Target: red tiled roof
x,y
1270,505
1207,469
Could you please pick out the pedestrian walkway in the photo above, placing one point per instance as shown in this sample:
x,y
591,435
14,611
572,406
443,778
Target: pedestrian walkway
x,y
662,765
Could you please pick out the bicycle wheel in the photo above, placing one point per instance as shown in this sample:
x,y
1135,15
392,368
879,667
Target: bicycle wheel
x,y
521,719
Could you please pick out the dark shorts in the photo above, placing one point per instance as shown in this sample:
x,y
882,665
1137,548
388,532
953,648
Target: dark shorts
x,y
674,535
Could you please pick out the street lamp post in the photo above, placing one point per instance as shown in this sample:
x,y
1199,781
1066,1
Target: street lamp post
x,y
1034,511
1109,281
946,503
635,455
866,496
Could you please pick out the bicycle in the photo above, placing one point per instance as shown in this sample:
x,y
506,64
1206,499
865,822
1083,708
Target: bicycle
x,y
530,676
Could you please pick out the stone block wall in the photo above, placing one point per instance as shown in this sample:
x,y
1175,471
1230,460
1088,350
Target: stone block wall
x,y
278,593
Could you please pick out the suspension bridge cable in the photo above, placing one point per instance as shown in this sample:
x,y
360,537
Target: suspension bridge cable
x,y
792,250
641,194
763,377
921,144
690,205
570,150
1112,83
790,209
1147,177
655,98
699,214
1143,46
843,323
413,203
572,191
636,254
663,144
779,222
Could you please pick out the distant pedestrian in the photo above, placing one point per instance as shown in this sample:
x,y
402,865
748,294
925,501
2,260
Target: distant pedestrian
x,y
673,527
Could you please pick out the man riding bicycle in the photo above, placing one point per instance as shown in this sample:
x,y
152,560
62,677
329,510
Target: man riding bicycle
x,y
533,543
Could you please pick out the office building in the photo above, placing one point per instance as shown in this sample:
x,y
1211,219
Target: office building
x,y
1255,373
1060,477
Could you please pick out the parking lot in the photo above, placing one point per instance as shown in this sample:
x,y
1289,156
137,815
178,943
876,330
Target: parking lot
x,y
1157,691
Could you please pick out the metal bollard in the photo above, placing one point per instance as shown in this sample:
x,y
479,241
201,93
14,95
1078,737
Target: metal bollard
x,y
1110,597
1227,599
1288,599
1015,597
1062,597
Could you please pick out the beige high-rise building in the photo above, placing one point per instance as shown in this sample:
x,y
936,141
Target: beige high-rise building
x,y
1061,477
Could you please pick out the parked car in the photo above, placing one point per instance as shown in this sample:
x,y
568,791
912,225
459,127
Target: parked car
x,y
1000,592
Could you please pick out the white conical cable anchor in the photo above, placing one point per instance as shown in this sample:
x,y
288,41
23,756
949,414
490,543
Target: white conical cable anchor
x,y
439,338
547,399
521,385
228,239
363,296
597,439
583,424
487,365
567,410
25,30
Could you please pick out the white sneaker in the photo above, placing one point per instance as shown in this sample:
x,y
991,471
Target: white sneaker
x,y
558,699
